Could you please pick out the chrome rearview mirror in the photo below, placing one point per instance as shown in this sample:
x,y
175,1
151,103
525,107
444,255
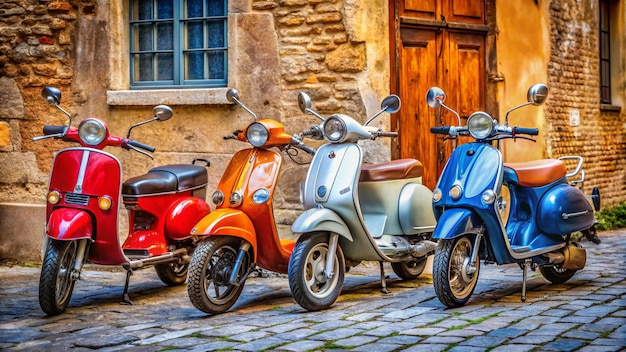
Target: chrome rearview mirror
x,y
304,102
162,112
537,94
233,96
391,104
52,95
435,96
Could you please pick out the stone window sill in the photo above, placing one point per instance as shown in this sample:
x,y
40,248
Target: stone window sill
x,y
611,108
213,96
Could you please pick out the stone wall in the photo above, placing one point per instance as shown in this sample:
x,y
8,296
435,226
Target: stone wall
x,y
573,78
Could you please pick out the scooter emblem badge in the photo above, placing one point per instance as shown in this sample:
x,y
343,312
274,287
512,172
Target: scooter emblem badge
x,y
321,191
331,155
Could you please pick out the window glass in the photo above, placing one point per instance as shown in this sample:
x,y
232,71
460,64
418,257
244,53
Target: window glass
x,y
178,43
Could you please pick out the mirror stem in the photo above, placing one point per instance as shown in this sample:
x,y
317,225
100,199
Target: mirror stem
x,y
244,107
309,111
139,124
506,117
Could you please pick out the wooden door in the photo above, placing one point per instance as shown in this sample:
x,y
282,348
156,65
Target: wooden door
x,y
436,43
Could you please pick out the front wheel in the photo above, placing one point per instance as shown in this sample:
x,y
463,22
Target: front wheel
x,y
208,285
454,277
172,274
56,282
309,284
556,275
409,270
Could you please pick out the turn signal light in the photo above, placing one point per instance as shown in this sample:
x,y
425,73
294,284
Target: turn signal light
x,y
105,202
54,197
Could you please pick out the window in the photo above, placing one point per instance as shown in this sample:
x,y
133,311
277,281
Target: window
x,y
178,43
605,53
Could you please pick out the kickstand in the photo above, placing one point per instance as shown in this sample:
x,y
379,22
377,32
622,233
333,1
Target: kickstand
x,y
524,270
126,298
382,280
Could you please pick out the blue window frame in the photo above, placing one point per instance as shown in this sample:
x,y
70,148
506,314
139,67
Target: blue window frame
x,y
178,43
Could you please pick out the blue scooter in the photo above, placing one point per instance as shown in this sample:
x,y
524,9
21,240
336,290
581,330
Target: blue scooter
x,y
473,221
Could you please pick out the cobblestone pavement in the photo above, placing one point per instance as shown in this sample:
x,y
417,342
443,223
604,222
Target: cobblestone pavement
x,y
585,314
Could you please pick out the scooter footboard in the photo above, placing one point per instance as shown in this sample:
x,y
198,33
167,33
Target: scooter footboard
x,y
456,221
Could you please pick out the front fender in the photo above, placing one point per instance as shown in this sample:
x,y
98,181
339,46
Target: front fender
x,y
320,219
69,224
227,222
456,221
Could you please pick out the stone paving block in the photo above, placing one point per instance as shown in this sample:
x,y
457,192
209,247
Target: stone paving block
x,y
443,339
336,334
298,334
577,319
364,316
609,342
355,341
507,332
378,347
514,348
533,339
422,331
167,336
304,345
97,342
553,329
563,345
580,334
389,329
599,310
483,341
405,314
282,328
426,347
400,340
260,344
331,325
249,336
601,348
209,346
368,325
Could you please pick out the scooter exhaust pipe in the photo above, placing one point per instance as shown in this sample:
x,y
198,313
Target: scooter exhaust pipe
x,y
161,259
423,248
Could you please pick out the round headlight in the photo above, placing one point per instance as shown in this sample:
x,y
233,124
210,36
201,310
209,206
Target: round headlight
x,y
54,197
92,131
455,192
217,197
480,125
437,195
334,129
261,196
257,134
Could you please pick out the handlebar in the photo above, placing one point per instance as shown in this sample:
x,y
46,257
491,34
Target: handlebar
x,y
440,130
524,130
130,142
49,129
386,134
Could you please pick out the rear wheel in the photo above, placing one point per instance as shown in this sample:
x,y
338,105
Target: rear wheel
x,y
56,282
556,274
308,282
409,270
209,273
454,278
172,274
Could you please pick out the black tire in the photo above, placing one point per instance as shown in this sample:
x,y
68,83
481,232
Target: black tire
x,y
453,283
556,274
172,274
55,282
209,273
306,273
409,270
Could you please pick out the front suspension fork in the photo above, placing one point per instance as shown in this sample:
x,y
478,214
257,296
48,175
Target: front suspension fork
x,y
474,255
330,259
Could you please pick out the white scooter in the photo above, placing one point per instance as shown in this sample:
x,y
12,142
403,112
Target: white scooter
x,y
357,212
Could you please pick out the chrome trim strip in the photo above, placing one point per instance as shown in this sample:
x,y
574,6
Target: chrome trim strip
x,y
81,173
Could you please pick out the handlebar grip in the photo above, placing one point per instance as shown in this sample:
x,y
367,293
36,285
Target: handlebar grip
x,y
141,145
524,130
388,134
306,148
49,129
440,130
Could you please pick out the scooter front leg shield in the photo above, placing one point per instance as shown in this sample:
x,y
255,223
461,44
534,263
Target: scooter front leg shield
x,y
321,219
227,222
456,221
69,224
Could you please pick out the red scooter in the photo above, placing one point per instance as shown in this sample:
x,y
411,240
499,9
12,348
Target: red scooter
x,y
83,207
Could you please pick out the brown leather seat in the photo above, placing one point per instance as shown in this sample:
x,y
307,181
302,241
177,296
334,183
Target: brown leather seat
x,y
391,170
538,172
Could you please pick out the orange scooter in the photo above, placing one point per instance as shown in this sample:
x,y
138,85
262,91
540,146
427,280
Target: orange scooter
x,y
241,233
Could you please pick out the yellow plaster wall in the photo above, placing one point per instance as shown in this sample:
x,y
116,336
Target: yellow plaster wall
x,y
523,50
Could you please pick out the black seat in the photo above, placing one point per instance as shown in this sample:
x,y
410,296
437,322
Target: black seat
x,y
167,178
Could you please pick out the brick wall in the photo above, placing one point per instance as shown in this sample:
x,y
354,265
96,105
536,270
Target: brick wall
x,y
573,79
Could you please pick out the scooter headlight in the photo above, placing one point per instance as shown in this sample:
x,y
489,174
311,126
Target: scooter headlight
x,y
54,197
437,195
236,198
455,192
480,125
335,129
217,197
257,134
92,131
105,202
261,196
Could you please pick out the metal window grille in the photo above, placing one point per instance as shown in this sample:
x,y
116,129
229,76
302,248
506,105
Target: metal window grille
x,y
605,53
